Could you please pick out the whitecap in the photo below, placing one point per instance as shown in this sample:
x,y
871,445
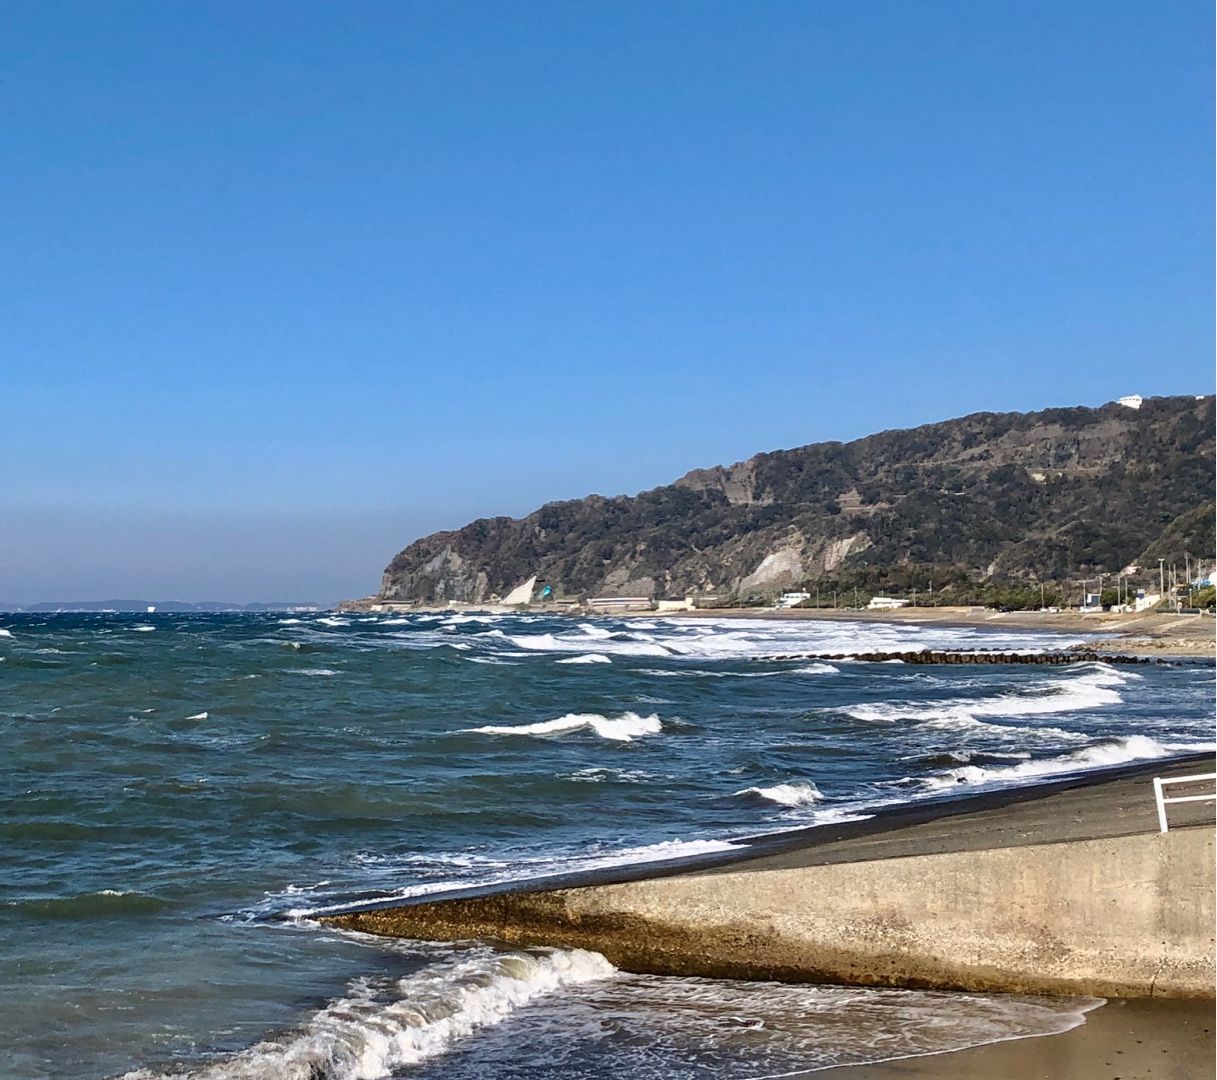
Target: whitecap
x,y
586,658
624,728
196,716
795,793
143,629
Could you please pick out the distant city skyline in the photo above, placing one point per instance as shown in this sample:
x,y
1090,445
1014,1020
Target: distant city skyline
x,y
290,285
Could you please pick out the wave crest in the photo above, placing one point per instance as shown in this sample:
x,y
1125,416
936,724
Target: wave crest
x,y
375,1030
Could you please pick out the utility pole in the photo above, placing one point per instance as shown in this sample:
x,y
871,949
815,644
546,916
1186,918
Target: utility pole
x,y
855,597
1042,604
1161,581
914,598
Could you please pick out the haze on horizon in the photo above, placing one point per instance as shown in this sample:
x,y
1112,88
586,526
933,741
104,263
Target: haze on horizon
x,y
289,285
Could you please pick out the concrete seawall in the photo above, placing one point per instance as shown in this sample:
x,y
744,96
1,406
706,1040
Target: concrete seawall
x,y
1068,888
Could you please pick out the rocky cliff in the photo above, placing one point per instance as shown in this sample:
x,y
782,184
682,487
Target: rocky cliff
x,y
1049,494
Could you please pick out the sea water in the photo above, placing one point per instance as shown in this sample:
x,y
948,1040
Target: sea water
x,y
183,794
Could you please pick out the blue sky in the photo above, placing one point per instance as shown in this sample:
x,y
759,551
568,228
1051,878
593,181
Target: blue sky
x,y
286,285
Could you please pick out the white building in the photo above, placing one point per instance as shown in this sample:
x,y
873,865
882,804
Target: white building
x,y
789,599
885,603
608,604
1132,401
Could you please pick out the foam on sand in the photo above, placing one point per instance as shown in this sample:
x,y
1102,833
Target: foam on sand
x,y
377,1029
623,728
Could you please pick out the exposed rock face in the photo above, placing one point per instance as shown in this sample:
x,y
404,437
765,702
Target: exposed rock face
x,y
1006,494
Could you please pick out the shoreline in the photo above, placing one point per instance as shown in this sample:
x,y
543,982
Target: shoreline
x,y
1145,634
1122,1039
1164,635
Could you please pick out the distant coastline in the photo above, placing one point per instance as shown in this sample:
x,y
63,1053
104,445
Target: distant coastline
x,y
144,607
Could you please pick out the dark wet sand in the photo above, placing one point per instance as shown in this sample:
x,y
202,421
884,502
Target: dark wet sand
x,y
1133,1039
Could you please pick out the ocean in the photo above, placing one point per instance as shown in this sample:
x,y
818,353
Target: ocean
x,y
184,794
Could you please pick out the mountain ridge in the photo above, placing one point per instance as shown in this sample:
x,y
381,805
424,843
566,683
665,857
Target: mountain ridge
x,y
1016,496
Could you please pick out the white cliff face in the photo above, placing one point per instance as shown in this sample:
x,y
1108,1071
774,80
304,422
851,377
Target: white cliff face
x,y
778,568
522,593
837,551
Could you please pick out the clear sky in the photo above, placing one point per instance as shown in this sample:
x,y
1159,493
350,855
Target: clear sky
x,y
286,285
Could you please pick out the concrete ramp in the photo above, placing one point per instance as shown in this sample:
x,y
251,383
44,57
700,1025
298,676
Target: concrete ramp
x,y
1068,888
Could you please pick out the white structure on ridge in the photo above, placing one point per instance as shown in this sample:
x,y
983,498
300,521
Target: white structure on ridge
x,y
1132,401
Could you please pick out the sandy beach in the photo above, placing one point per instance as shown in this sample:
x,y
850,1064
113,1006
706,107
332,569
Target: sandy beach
x,y
1124,1039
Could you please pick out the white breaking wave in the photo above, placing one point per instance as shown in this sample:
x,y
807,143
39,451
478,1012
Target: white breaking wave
x,y
330,621
196,716
798,793
316,671
1112,751
5,633
1090,689
816,668
623,728
375,1030
143,629
587,658
578,643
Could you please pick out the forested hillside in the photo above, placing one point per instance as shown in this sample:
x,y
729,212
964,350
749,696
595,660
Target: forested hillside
x,y
992,496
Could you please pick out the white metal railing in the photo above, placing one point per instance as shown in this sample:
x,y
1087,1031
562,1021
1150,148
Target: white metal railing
x,y
1162,800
